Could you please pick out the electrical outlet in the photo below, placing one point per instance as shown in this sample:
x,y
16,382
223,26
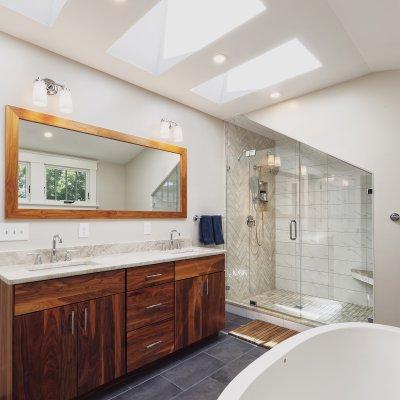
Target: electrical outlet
x,y
14,232
147,228
83,230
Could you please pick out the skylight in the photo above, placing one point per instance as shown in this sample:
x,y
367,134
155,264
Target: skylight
x,y
284,62
174,29
42,11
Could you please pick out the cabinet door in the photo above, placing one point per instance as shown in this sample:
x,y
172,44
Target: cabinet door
x,y
213,312
45,351
101,341
188,311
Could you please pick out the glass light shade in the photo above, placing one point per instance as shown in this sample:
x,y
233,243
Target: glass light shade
x,y
277,161
271,160
178,134
65,101
164,129
39,97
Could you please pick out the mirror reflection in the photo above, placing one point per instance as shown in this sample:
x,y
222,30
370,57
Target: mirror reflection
x,y
59,168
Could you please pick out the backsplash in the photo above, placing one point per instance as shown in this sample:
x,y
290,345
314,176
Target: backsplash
x,y
28,256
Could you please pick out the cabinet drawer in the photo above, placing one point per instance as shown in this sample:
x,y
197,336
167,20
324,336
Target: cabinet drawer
x,y
37,296
149,275
149,305
148,344
185,269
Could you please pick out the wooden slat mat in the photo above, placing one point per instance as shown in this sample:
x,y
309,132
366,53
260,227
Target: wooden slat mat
x,y
262,333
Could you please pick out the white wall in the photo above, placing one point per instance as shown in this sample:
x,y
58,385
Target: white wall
x,y
102,100
359,122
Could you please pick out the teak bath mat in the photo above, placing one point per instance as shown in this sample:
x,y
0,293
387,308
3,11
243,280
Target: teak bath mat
x,y
263,333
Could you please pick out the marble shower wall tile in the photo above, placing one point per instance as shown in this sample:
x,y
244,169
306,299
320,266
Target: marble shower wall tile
x,y
250,268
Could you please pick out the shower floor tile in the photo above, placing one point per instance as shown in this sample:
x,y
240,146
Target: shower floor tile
x,y
317,309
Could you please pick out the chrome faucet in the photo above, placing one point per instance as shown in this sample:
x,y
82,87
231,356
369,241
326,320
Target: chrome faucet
x,y
171,238
56,238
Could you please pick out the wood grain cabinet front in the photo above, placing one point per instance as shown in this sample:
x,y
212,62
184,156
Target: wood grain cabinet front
x,y
45,355
149,343
199,308
149,275
67,351
149,305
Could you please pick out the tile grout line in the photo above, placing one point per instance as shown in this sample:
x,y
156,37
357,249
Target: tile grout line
x,y
218,369
179,363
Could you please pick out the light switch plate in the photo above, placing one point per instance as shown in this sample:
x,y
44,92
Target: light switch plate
x,y
14,232
83,230
147,228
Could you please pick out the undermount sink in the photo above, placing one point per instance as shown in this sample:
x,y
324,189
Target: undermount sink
x,y
181,251
65,264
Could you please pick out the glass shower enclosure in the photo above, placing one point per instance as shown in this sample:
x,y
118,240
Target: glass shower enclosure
x,y
299,229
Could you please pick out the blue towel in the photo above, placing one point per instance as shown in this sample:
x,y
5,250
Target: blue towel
x,y
206,230
217,228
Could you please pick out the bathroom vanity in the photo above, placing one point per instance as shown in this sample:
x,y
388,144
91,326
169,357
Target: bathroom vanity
x,y
67,332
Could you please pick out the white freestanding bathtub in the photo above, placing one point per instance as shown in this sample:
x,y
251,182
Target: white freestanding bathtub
x,y
353,361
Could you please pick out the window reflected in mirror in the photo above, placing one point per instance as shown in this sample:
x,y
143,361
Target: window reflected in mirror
x,y
63,169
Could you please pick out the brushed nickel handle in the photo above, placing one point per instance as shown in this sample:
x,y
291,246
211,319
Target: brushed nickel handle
x,y
154,344
73,322
85,323
293,222
154,305
153,276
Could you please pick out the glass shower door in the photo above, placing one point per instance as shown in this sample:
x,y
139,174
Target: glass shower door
x,y
275,273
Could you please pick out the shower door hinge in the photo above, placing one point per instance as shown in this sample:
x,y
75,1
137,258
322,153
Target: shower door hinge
x,y
227,287
228,168
370,191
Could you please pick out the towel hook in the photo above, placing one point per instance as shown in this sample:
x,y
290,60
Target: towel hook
x,y
196,218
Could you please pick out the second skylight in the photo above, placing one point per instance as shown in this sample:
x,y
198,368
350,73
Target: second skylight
x,y
284,62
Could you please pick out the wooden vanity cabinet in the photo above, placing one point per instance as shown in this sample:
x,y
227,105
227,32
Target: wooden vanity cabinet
x,y
101,341
65,337
199,299
45,354
63,352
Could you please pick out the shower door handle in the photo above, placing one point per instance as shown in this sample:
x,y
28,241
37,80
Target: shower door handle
x,y
293,233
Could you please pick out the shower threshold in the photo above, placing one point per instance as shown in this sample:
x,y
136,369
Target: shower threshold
x,y
313,310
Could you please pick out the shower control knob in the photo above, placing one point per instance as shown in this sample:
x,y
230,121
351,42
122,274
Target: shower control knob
x,y
394,217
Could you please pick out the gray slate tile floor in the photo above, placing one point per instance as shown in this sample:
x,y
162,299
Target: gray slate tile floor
x,y
199,373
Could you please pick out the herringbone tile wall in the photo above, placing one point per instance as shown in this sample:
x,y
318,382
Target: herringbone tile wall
x,y
250,267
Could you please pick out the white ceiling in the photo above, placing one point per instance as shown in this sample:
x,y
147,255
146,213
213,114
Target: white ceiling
x,y
75,144
349,37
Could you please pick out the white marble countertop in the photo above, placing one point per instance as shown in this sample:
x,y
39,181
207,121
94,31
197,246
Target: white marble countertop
x,y
15,274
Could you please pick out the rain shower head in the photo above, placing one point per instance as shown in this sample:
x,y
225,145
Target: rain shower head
x,y
247,153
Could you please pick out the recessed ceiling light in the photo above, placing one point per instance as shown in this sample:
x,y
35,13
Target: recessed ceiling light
x,y
48,135
275,95
219,58
155,43
284,62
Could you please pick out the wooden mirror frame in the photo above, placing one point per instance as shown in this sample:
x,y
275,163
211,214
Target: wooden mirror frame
x,y
13,117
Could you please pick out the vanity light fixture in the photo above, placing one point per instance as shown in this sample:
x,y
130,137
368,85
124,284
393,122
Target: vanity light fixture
x,y
47,87
171,130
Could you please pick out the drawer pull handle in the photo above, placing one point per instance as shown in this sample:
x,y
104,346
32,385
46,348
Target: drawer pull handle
x,y
154,305
154,344
153,276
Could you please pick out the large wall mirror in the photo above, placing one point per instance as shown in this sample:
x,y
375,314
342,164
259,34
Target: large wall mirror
x,y
57,168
